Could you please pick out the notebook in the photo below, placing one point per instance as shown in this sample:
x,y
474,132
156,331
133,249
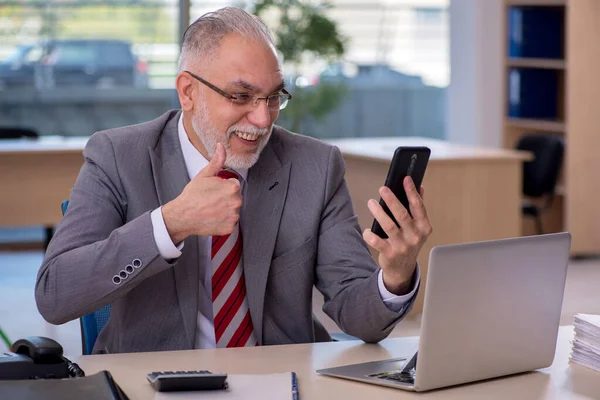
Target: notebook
x,y
586,342
99,386
248,387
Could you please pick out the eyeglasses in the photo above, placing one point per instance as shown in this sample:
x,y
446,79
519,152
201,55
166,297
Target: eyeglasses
x,y
275,102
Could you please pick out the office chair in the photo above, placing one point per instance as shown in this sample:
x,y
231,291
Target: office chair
x,y
92,323
541,174
17,133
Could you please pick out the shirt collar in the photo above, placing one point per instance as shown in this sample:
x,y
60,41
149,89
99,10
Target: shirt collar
x,y
193,159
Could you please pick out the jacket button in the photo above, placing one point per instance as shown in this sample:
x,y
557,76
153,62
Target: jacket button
x,y
117,280
129,269
137,263
123,274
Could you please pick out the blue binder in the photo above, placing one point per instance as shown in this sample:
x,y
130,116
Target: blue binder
x,y
536,32
533,93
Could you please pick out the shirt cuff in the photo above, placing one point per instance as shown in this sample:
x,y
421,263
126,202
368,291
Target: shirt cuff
x,y
393,302
165,245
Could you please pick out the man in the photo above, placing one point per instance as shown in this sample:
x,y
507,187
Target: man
x,y
190,256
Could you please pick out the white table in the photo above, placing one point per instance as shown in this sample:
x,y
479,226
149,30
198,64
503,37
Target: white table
x,y
561,381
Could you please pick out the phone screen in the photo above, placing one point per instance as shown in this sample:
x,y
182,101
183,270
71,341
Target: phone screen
x,y
407,161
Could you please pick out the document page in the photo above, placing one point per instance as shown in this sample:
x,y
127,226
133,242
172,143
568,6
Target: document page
x,y
247,387
586,342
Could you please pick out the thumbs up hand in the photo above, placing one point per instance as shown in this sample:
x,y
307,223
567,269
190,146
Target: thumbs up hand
x,y
208,205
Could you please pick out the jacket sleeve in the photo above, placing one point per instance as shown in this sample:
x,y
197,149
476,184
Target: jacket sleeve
x,y
346,273
95,256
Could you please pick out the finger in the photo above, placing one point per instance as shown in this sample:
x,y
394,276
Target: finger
x,y
375,241
216,163
415,201
423,225
386,223
398,210
237,186
234,180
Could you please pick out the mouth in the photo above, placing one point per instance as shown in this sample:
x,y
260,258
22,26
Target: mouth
x,y
247,137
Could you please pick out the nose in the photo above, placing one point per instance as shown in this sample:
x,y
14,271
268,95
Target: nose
x,y
260,115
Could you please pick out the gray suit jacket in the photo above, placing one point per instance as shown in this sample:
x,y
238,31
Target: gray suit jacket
x,y
298,233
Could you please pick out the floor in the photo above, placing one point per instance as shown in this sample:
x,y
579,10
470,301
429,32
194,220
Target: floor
x,y
19,316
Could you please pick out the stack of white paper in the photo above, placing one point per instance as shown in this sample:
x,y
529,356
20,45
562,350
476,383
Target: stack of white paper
x,y
586,344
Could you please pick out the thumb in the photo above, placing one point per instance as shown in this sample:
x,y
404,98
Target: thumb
x,y
216,163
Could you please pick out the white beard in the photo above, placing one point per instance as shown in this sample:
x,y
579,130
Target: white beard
x,y
210,136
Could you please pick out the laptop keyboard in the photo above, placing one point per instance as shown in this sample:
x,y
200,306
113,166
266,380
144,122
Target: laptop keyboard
x,y
405,375
402,377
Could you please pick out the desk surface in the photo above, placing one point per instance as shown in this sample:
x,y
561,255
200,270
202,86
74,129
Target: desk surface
x,y
562,380
382,148
44,144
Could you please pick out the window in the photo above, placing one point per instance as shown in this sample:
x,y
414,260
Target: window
x,y
69,55
396,70
98,47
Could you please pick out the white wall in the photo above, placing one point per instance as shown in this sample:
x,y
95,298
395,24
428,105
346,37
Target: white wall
x,y
474,113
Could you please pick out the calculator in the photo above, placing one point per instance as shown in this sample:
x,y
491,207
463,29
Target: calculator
x,y
174,381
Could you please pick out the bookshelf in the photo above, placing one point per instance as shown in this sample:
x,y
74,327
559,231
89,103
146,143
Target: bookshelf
x,y
536,124
575,82
536,63
536,2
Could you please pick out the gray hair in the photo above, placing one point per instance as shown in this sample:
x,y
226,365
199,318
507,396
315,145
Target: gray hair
x,y
203,37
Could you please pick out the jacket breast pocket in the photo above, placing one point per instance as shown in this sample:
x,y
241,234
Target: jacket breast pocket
x,y
306,251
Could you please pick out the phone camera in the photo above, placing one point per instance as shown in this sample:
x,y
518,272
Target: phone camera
x,y
413,160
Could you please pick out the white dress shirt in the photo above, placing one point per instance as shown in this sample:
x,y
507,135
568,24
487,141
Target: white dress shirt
x,y
205,332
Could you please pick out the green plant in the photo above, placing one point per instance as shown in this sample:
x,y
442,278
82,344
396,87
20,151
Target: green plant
x,y
304,34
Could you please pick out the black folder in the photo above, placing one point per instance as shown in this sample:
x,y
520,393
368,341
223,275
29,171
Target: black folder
x,y
99,386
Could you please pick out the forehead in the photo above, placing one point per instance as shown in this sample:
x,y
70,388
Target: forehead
x,y
247,60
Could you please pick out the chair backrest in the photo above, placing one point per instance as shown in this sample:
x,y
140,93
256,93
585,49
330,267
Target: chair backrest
x,y
91,324
17,133
541,174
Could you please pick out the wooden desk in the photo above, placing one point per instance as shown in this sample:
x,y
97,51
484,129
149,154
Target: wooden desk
x,y
560,381
471,193
35,177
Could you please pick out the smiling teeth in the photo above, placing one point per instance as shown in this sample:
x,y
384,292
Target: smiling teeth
x,y
247,136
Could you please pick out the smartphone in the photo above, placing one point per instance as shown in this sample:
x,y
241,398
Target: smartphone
x,y
407,161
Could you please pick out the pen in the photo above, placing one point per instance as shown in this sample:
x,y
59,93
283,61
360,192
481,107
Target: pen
x,y
295,393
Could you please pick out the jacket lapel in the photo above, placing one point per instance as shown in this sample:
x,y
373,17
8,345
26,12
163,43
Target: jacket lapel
x,y
267,189
170,177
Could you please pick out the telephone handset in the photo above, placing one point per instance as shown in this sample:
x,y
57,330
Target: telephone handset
x,y
37,357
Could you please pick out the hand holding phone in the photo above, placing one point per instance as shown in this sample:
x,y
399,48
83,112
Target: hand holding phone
x,y
408,229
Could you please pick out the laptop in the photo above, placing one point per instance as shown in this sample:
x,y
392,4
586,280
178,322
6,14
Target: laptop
x,y
491,309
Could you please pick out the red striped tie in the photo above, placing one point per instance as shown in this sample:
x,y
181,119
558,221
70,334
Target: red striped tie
x,y
233,325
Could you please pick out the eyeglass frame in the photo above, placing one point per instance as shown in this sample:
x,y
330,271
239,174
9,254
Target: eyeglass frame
x,y
232,97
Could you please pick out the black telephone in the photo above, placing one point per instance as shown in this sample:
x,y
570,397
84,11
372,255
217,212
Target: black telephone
x,y
37,357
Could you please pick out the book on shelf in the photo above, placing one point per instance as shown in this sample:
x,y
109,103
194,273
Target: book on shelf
x,y
586,342
533,93
536,32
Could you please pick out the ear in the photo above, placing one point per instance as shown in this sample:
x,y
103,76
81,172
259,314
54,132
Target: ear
x,y
185,91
